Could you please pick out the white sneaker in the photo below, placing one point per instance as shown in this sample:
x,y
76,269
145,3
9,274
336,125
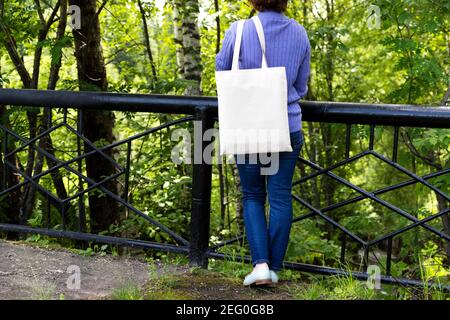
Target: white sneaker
x,y
258,277
273,276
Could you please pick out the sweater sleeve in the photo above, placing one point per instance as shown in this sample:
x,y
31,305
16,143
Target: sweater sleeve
x,y
301,83
224,58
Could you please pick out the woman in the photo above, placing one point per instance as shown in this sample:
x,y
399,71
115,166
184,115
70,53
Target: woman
x,y
287,45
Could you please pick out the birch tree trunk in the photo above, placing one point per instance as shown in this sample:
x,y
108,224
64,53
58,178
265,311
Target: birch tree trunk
x,y
191,65
178,38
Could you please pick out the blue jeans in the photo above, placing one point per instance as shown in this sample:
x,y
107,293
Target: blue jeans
x,y
269,243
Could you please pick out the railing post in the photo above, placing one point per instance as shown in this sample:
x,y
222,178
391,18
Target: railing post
x,y
201,192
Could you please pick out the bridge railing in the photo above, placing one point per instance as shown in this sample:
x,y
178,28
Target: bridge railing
x,y
204,109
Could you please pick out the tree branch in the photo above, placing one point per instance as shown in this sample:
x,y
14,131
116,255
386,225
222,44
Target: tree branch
x,y
147,41
217,9
101,7
446,98
2,8
252,13
55,67
13,53
46,25
430,161
39,10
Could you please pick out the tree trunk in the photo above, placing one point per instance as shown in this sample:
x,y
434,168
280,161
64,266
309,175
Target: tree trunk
x,y
29,189
328,185
221,164
191,64
51,85
441,201
11,203
178,38
46,142
313,156
446,98
34,161
97,125
442,205
147,42
217,9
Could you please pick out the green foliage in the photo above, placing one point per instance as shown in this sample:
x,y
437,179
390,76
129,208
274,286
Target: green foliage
x,y
308,244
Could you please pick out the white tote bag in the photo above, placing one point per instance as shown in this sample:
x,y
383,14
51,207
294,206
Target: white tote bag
x,y
253,114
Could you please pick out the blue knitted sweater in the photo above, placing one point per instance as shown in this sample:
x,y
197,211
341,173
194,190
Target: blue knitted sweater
x,y
287,45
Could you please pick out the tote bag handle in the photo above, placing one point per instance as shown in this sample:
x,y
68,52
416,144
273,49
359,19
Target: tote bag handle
x,y
238,42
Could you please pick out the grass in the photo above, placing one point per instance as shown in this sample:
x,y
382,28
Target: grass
x,y
304,286
334,288
128,291
42,292
171,279
226,275
162,282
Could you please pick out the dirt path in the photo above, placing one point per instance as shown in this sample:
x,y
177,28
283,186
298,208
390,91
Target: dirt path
x,y
31,272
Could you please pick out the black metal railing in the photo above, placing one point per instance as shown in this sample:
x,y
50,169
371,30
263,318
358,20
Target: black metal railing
x,y
204,109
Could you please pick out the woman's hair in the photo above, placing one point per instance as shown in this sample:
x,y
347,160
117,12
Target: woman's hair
x,y
263,5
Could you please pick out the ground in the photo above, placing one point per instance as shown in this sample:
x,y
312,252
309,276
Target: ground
x,y
31,272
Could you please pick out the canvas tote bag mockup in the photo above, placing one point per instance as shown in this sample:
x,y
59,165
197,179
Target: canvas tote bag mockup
x,y
253,114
